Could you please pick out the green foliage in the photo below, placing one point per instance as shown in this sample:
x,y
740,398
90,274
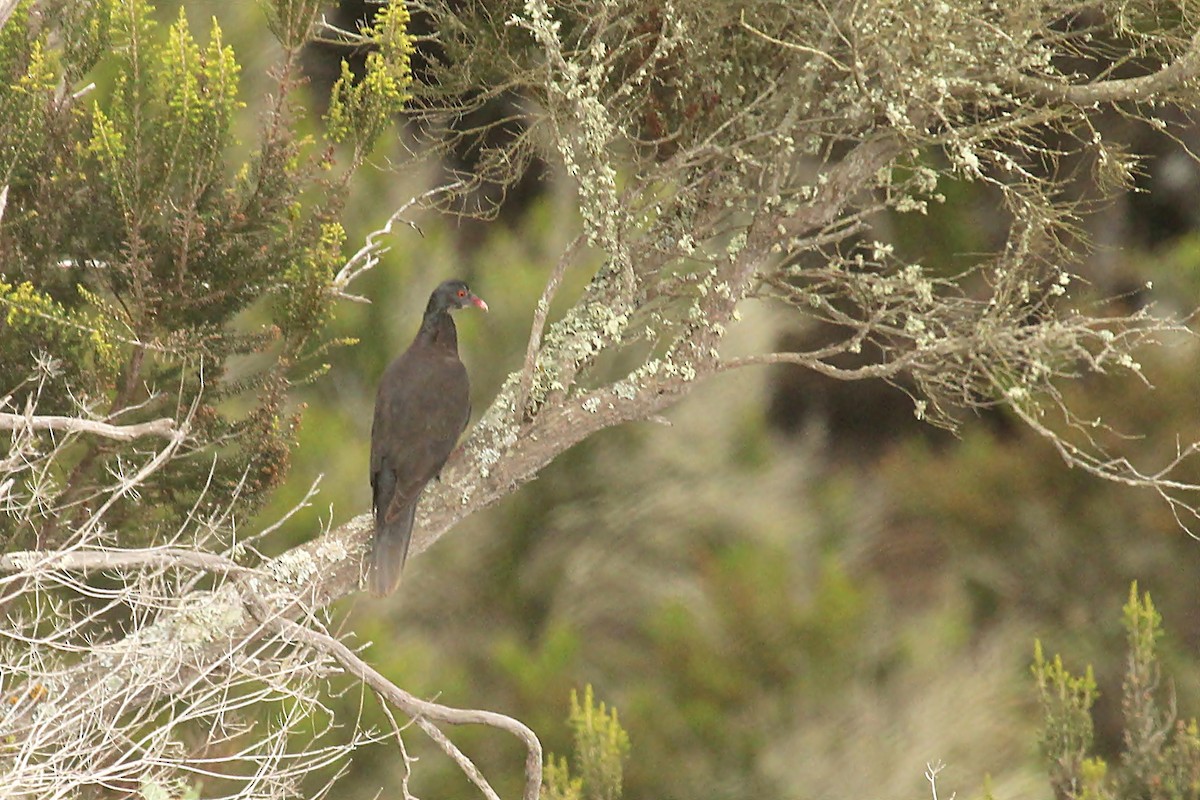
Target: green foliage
x,y
87,28
762,637
601,747
359,110
557,781
300,304
1066,702
1160,757
163,264
27,83
541,668
79,340
167,124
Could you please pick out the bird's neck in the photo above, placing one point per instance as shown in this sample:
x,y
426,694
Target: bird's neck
x,y
437,328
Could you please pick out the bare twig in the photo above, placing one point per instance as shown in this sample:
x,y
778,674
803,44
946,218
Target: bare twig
x,y
129,484
460,758
303,503
932,770
97,560
1178,72
121,433
7,7
792,45
367,256
423,711
885,370
408,760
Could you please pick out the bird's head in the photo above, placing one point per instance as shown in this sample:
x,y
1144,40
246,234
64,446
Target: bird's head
x,y
452,295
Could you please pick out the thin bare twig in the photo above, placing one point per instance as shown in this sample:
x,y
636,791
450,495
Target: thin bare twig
x,y
408,760
303,503
458,757
1173,75
128,485
932,770
792,45
7,7
121,433
423,712
885,370
367,256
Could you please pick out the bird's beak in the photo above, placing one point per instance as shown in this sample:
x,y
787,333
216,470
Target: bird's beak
x,y
478,302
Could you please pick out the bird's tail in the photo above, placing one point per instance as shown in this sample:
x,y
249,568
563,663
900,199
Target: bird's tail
x,y
390,549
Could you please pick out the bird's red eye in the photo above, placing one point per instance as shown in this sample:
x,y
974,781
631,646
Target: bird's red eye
x,y
462,292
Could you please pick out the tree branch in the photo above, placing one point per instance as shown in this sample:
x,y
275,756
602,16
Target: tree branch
x,y
92,560
884,370
205,627
538,327
459,757
7,7
367,256
423,711
792,45
121,433
842,182
1175,74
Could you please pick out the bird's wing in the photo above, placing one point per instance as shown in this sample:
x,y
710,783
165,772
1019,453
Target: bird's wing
x,y
418,419
392,408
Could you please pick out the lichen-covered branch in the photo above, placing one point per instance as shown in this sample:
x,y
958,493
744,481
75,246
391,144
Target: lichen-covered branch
x,y
1173,76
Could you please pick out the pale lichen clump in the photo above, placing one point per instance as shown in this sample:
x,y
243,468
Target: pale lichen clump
x,y
198,619
573,342
487,457
301,567
330,550
295,567
206,617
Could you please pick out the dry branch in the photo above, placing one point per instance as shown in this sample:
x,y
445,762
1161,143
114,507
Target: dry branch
x,y
85,561
540,313
367,257
7,7
1184,69
121,433
423,711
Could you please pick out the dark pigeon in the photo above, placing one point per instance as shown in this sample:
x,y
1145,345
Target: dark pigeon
x,y
421,409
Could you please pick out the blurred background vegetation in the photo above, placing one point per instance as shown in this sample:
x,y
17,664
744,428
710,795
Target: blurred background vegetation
x,y
793,590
